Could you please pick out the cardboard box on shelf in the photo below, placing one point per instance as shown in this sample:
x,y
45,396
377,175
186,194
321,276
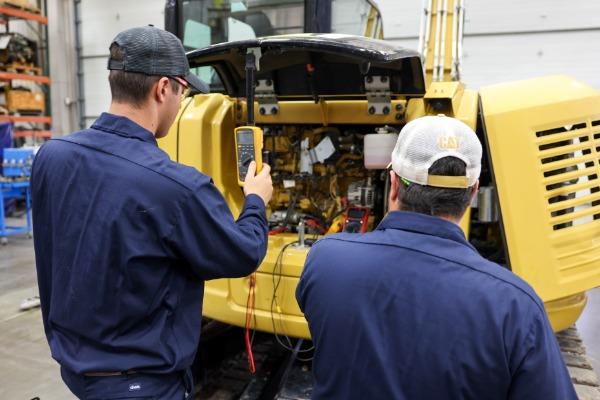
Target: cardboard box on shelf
x,y
26,5
22,100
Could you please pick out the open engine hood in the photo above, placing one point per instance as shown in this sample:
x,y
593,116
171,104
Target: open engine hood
x,y
315,65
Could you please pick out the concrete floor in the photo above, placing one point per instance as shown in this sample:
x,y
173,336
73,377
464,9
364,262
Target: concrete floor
x,y
589,328
27,370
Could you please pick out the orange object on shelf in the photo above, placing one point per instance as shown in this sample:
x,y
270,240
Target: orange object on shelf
x,y
8,76
17,13
25,5
35,119
23,100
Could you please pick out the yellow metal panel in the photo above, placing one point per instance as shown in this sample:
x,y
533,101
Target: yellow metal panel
x,y
169,142
325,112
206,141
544,142
440,31
563,313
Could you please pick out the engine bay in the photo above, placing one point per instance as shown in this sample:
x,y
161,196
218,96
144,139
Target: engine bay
x,y
320,180
330,179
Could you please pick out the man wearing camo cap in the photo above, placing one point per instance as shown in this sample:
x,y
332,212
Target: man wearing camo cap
x,y
411,310
125,237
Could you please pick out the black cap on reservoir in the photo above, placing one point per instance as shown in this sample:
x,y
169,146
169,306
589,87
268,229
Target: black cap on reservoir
x,y
153,51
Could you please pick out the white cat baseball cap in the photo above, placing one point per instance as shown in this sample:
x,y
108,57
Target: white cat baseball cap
x,y
425,140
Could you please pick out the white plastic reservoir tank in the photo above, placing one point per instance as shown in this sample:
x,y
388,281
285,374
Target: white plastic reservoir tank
x,y
378,149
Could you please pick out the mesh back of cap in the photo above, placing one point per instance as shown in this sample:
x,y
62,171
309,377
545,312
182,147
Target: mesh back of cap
x,y
425,140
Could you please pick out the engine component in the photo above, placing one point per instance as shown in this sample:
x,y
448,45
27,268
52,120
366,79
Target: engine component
x,y
301,227
356,220
281,217
378,149
487,208
337,225
361,193
318,154
305,162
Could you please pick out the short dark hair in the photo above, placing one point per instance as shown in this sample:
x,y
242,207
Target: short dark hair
x,y
433,200
131,87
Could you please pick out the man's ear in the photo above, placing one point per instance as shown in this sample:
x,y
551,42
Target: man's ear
x,y
161,89
394,186
474,190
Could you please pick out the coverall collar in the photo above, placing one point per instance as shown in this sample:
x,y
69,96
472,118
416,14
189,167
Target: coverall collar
x,y
123,126
425,224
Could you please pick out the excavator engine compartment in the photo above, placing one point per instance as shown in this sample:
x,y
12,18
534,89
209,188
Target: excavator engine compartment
x,y
319,175
330,179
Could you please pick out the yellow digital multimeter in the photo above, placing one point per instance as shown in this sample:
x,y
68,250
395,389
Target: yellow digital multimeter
x,y
248,145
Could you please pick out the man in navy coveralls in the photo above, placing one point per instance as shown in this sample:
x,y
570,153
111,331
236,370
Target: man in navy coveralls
x,y
411,310
125,237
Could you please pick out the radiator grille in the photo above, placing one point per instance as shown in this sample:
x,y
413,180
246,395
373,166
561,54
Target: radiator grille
x,y
569,158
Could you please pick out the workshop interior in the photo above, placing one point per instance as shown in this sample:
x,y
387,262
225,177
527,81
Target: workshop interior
x,y
320,90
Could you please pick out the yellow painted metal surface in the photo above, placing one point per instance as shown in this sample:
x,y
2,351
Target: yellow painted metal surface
x,y
563,313
225,299
441,35
203,137
544,141
325,112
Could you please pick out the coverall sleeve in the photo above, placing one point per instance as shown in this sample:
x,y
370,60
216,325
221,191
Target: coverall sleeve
x,y
215,245
542,373
307,274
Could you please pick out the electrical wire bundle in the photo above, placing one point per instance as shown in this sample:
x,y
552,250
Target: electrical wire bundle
x,y
276,277
250,305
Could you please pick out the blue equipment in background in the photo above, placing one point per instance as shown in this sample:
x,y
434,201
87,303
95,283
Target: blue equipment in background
x,y
14,184
17,163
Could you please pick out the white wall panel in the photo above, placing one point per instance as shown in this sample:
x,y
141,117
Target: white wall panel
x,y
494,59
97,92
63,67
101,21
514,39
401,17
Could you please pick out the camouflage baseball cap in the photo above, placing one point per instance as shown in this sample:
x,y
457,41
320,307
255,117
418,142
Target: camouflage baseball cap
x,y
153,51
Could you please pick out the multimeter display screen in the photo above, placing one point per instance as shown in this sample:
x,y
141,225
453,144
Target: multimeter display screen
x,y
245,137
356,213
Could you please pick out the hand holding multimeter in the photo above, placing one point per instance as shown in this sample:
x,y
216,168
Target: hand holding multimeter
x,y
248,141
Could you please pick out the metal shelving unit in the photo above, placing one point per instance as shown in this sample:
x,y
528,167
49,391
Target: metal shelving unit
x,y
8,14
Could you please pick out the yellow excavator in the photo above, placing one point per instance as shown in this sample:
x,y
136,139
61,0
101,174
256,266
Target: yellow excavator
x,y
329,108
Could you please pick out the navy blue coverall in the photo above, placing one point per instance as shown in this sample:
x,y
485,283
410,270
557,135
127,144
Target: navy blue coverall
x,y
412,311
124,240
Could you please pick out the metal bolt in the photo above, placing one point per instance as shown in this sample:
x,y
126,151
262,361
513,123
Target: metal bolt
x,y
274,110
371,110
399,117
269,83
386,110
383,79
369,79
262,111
399,107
